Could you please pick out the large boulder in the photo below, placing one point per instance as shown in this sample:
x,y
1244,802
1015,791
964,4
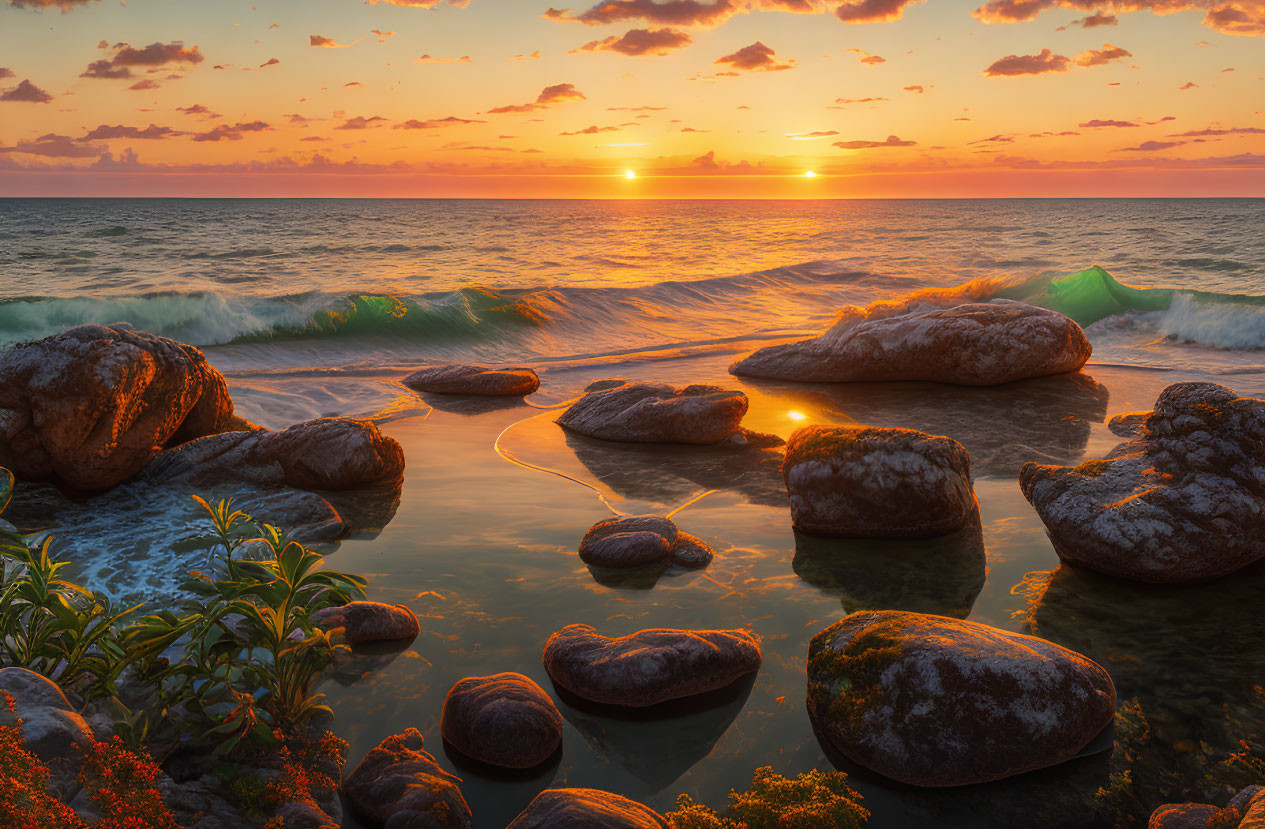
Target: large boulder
x,y
877,482
365,622
504,720
650,666
329,453
1183,501
52,729
1246,810
586,809
977,344
453,378
639,540
935,701
657,413
398,785
90,407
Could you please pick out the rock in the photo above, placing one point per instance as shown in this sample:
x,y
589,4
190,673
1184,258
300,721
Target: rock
x,y
1254,812
304,814
1246,810
935,701
364,622
503,720
330,453
1183,816
453,378
640,540
399,785
650,666
92,406
656,413
1183,501
875,482
977,344
586,809
52,729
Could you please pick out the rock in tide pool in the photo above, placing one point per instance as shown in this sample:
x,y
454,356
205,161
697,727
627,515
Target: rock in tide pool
x,y
650,666
52,729
1183,501
364,622
399,785
329,453
454,378
639,540
90,407
934,701
977,344
1246,810
658,413
586,809
874,482
503,720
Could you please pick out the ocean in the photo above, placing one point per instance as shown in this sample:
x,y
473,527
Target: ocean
x,y
320,307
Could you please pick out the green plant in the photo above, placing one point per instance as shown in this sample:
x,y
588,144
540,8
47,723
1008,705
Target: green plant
x,y
813,800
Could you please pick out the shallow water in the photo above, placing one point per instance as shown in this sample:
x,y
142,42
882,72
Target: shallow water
x,y
496,497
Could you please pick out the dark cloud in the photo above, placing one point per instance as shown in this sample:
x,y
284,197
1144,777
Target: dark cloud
x,y
873,11
450,121
6,72
1233,17
892,141
1188,85
54,146
671,12
26,92
64,5
640,42
325,42
1151,146
1220,131
811,136
591,131
269,62
1099,122
360,122
231,132
1099,57
198,110
1039,64
141,86
1093,21
550,95
105,131
126,56
757,57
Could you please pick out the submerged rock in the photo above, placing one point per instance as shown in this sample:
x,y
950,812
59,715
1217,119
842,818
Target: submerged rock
x,y
92,406
650,666
453,378
364,622
1246,810
52,729
503,720
934,701
1182,501
400,786
586,809
640,540
976,344
658,413
877,483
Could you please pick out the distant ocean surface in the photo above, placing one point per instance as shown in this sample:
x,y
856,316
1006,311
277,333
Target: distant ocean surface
x,y
290,283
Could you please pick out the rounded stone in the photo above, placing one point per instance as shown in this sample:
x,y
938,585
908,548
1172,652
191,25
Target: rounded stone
x,y
586,809
454,378
364,622
503,720
656,413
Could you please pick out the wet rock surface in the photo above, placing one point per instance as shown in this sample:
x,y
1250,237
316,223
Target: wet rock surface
x,y
650,666
877,482
398,785
455,378
90,407
505,720
366,622
657,413
976,344
1183,501
586,809
641,540
52,729
934,701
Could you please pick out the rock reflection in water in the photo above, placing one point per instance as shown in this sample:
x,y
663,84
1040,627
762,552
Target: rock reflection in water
x,y
657,744
941,575
1046,419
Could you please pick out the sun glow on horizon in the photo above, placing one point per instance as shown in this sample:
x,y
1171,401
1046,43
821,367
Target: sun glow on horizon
x,y
810,174
630,174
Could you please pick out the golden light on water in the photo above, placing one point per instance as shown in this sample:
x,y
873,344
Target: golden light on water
x,y
629,174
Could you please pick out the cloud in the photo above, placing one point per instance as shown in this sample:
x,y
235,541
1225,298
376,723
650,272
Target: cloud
x,y
450,121
1039,64
811,136
591,131
26,92
1100,57
873,59
141,86
550,95
1098,123
126,56
54,146
360,123
6,72
64,5
421,4
873,11
327,43
859,100
1093,21
269,62
1150,146
1189,85
757,57
1220,131
231,132
892,141
640,42
382,36
198,110
105,132
672,12
914,88
1231,17
533,56
429,59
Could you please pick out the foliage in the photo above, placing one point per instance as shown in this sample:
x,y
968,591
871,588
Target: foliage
x,y
120,784
813,800
24,799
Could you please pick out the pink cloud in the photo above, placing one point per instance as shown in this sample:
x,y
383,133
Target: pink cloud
x,y
755,58
26,92
892,141
640,42
1039,64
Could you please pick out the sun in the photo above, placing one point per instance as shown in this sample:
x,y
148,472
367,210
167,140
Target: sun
x,y
629,174
810,174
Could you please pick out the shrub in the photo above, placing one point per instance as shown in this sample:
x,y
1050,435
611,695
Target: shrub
x,y
813,800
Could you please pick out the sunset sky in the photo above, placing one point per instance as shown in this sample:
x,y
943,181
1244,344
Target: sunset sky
x,y
693,97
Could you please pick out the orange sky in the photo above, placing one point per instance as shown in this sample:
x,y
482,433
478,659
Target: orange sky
x,y
698,98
